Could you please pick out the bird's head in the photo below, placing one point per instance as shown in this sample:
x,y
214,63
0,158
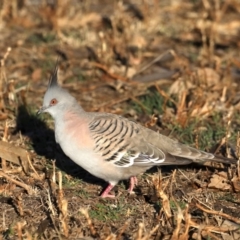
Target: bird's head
x,y
56,99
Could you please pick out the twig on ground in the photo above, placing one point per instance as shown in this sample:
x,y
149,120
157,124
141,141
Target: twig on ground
x,y
151,233
89,221
63,206
112,75
122,230
236,220
157,181
23,185
32,167
158,58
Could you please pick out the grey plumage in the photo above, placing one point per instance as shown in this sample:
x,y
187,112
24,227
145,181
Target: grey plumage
x,y
109,146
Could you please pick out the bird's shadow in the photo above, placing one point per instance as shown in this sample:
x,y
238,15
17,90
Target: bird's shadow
x,y
43,142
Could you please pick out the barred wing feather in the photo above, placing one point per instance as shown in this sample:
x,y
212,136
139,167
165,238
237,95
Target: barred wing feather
x,y
122,142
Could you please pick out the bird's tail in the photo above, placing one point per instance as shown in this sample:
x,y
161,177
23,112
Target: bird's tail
x,y
217,159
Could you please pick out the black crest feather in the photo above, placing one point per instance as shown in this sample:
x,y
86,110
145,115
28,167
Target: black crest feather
x,y
53,81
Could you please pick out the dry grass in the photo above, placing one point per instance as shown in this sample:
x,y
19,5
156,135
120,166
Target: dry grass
x,y
173,66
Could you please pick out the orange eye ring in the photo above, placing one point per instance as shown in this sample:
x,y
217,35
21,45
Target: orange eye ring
x,y
53,102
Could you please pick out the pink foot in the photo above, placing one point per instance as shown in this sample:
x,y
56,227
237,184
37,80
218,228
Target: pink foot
x,y
133,182
106,194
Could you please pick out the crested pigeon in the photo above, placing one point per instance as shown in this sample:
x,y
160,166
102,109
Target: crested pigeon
x,y
109,146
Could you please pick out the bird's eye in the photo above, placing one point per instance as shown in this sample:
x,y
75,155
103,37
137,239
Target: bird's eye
x,y
53,102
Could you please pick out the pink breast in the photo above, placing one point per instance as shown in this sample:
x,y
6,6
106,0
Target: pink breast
x,y
78,131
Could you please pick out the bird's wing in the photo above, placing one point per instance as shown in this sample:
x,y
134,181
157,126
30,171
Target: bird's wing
x,y
122,142
126,143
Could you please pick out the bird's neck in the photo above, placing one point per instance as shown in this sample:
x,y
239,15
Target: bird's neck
x,y
70,113
67,121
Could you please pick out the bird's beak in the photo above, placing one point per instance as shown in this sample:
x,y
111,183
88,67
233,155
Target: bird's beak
x,y
41,110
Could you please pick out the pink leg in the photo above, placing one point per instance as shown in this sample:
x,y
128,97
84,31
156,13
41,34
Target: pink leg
x,y
106,194
133,182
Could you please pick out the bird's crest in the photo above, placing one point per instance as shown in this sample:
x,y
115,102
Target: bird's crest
x,y
53,81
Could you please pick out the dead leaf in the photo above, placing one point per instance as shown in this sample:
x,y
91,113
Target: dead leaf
x,y
14,154
219,181
179,86
207,76
236,183
234,234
